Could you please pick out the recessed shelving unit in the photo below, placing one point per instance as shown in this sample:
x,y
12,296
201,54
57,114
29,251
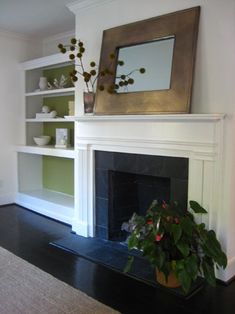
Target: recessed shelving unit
x,y
46,173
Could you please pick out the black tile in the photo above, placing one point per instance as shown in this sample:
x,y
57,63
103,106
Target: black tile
x,y
101,183
176,167
150,165
101,232
103,160
125,162
101,211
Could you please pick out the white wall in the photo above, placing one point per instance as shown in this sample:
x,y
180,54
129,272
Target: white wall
x,y
49,44
14,49
214,89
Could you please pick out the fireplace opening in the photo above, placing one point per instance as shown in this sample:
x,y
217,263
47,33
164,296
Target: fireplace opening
x,y
129,193
128,183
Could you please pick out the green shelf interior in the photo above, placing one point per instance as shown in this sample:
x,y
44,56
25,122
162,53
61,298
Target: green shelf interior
x,y
56,73
59,104
49,128
58,173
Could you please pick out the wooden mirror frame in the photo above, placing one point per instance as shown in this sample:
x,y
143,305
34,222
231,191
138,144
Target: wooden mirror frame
x,y
184,26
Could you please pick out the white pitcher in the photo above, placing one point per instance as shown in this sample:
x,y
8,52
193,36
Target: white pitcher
x,y
43,83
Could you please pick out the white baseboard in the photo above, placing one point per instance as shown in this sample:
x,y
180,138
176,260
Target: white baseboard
x,y
46,208
80,228
7,199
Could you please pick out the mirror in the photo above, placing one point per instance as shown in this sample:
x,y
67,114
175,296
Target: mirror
x,y
170,85
155,57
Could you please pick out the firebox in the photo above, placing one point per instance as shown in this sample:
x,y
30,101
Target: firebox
x,y
126,183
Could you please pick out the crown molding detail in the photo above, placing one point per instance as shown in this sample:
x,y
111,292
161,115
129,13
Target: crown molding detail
x,y
81,5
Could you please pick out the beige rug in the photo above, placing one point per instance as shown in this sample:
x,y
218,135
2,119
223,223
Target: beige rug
x,y
27,289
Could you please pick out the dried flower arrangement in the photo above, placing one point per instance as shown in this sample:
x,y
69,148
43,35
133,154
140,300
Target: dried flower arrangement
x,y
76,51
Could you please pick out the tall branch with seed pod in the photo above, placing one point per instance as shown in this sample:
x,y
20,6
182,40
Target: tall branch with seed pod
x,y
76,51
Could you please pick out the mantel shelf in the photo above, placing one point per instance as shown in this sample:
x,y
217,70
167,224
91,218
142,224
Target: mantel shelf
x,y
143,118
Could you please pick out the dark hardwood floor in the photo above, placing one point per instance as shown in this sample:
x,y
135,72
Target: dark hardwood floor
x,y
28,234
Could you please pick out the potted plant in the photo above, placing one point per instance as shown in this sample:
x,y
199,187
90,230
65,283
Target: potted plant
x,y
174,243
91,74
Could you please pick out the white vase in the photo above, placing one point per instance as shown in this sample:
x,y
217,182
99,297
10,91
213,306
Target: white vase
x,y
43,84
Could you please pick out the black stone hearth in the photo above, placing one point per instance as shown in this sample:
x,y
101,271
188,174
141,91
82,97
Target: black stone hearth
x,y
114,256
128,183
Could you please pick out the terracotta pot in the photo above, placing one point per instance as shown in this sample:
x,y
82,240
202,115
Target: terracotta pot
x,y
89,101
172,281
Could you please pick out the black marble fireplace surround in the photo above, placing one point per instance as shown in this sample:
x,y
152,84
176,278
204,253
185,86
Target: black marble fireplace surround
x,y
127,183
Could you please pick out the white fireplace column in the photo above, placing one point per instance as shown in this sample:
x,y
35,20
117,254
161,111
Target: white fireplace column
x,y
84,215
197,137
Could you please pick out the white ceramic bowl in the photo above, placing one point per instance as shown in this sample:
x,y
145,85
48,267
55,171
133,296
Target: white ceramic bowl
x,y
42,140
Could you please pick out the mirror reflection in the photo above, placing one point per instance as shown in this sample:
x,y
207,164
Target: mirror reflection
x,y
156,57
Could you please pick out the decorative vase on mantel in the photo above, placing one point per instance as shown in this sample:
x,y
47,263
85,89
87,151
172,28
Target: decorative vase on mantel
x,y
89,101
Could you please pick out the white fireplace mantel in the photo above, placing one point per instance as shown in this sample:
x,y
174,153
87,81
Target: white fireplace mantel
x,y
198,137
163,117
171,135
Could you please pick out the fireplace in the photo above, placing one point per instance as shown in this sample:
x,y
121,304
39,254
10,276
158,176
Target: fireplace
x,y
196,137
126,183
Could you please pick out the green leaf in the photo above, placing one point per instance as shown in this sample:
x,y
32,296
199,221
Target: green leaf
x,y
160,258
176,231
209,273
222,260
185,280
213,248
129,263
177,266
191,266
132,241
212,241
187,225
149,249
184,248
197,208
201,227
